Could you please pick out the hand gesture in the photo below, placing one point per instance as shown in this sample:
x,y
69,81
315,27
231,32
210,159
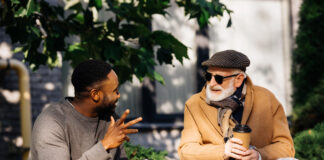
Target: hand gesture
x,y
117,131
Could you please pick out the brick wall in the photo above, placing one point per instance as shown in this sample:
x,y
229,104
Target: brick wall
x,y
45,87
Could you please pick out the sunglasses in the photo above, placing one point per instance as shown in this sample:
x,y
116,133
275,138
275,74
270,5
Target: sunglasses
x,y
218,78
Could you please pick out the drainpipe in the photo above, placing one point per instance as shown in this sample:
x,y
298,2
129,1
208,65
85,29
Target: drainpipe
x,y
25,109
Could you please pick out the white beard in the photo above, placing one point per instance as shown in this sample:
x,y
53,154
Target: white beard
x,y
224,92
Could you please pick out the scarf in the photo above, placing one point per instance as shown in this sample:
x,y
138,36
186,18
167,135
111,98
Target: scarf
x,y
226,108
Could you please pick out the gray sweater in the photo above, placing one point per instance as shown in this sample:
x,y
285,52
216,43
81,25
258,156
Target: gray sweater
x,y
61,133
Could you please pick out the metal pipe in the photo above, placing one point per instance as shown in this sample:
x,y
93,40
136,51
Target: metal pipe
x,y
25,99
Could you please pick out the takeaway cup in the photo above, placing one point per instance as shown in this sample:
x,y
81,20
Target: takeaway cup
x,y
243,132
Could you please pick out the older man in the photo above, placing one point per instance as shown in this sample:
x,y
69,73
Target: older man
x,y
228,98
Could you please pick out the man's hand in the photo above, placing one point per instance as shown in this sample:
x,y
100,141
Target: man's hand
x,y
117,131
251,154
234,149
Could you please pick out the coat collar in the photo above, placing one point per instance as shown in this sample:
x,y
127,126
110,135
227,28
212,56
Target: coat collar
x,y
211,112
248,104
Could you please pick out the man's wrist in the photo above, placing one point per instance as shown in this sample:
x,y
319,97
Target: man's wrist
x,y
254,148
106,146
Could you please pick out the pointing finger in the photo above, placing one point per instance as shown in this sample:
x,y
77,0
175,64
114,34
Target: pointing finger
x,y
132,122
112,121
129,131
123,117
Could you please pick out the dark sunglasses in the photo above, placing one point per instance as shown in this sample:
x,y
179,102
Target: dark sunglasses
x,y
218,78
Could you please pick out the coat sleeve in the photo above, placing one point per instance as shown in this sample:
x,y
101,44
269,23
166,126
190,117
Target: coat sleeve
x,y
282,144
191,144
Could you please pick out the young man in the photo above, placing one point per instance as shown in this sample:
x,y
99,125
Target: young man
x,y
229,98
84,127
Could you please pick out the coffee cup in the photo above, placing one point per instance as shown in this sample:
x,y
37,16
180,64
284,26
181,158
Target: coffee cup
x,y
243,132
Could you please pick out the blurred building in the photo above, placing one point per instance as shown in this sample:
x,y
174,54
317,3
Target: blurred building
x,y
263,30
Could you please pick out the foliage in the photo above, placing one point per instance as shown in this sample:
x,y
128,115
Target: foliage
x,y
136,152
125,39
307,73
309,144
202,10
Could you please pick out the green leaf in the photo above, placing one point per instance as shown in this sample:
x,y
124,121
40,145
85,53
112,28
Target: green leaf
x,y
156,6
203,18
96,3
164,56
202,10
112,26
13,2
31,7
113,51
36,31
53,62
158,77
18,49
124,73
134,31
76,53
167,41
79,18
35,59
22,12
137,152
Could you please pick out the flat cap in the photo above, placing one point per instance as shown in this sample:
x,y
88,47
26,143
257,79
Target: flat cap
x,y
228,59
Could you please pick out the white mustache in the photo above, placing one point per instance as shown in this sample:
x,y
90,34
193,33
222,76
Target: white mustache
x,y
216,88
222,95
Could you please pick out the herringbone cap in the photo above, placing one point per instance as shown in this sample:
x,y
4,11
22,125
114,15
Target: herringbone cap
x,y
228,59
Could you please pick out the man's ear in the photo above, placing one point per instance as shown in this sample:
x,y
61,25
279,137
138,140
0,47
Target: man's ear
x,y
94,94
238,80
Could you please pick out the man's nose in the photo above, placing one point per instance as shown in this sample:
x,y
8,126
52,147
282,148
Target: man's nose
x,y
118,94
212,81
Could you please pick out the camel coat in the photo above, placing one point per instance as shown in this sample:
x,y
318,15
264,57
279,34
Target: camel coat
x,y
202,137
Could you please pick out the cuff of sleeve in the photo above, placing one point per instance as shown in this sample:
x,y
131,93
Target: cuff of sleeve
x,y
253,147
98,152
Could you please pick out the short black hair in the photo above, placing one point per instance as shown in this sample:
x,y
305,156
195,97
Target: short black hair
x,y
89,72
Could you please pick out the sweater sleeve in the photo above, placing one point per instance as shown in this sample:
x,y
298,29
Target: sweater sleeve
x,y
282,144
96,152
192,146
123,155
49,142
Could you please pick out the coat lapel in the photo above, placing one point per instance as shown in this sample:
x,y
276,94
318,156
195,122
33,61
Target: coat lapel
x,y
209,111
248,101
